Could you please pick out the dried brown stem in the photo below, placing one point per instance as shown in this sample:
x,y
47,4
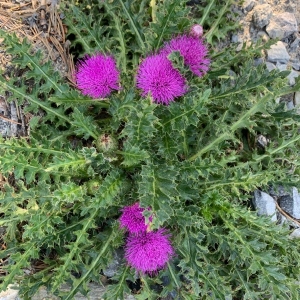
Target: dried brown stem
x,y
286,214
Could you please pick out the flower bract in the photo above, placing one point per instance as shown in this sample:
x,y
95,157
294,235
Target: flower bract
x,y
157,77
97,76
149,252
193,51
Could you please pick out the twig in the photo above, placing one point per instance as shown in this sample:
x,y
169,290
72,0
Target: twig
x,y
6,4
286,214
25,11
20,6
34,3
9,120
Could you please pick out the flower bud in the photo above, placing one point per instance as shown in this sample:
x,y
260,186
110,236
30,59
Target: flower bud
x,y
106,143
93,185
196,31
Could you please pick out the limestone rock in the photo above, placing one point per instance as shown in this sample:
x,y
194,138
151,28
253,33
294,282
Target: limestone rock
x,y
295,44
292,77
265,204
297,99
263,36
290,105
278,53
291,203
114,266
9,294
296,65
262,15
270,66
295,234
281,67
248,6
258,61
282,25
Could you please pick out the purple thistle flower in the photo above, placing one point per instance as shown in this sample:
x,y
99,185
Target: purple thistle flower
x,y
96,76
149,252
193,52
132,219
157,76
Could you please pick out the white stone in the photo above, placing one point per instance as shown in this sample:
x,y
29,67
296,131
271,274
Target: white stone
x,y
265,204
278,53
236,39
248,5
290,105
270,66
297,99
296,66
296,198
281,67
282,25
292,77
291,203
295,234
263,36
239,47
261,15
9,294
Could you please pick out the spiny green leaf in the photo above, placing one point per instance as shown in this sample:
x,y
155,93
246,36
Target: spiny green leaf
x,y
133,155
89,32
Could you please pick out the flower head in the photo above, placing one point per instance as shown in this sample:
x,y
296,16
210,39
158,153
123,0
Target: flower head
x,y
157,76
96,76
196,31
132,219
193,52
148,252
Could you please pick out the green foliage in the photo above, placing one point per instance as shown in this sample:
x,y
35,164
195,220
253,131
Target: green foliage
x,y
195,162
218,18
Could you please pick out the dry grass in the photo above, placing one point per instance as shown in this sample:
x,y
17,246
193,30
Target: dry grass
x,y
46,31
40,23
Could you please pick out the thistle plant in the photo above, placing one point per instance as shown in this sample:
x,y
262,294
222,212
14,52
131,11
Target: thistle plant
x,y
148,124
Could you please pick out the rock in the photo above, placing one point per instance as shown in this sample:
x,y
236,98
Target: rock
x,y
278,53
262,15
295,234
248,6
296,66
297,99
270,66
236,39
295,44
290,105
239,47
9,294
281,67
292,77
265,204
291,203
263,36
262,141
258,61
115,264
282,25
